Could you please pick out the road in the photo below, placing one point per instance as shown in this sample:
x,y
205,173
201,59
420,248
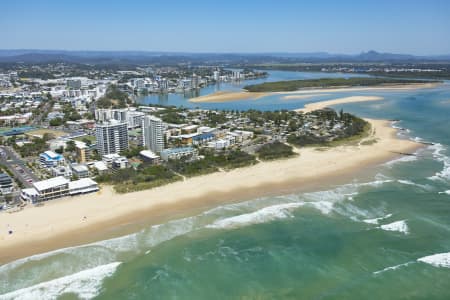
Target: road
x,y
11,160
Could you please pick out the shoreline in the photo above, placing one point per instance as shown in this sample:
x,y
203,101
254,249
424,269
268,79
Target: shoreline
x,y
345,100
225,96
61,223
228,96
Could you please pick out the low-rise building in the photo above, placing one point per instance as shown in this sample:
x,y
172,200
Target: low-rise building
x,y
149,156
101,167
6,184
79,171
61,171
177,153
120,163
82,186
30,195
51,159
52,188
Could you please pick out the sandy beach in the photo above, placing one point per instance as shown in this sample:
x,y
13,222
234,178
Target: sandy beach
x,y
352,99
81,219
226,96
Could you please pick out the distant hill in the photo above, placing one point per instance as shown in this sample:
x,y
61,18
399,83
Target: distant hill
x,y
139,57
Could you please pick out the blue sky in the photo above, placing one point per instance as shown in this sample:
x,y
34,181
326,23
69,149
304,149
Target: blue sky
x,y
399,26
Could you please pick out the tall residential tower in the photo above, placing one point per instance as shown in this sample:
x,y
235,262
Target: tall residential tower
x,y
153,133
112,137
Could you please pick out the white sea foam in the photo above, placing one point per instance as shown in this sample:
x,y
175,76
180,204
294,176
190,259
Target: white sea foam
x,y
263,215
438,154
376,220
404,158
445,192
418,139
399,226
85,284
393,268
437,260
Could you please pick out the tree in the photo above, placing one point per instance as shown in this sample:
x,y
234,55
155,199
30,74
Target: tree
x,y
70,146
56,122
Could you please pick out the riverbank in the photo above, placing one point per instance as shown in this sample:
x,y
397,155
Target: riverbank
x,y
226,96
81,219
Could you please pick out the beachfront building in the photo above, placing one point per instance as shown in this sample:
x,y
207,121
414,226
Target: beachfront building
x,y
29,195
150,157
153,133
52,188
112,137
82,186
51,159
177,153
58,187
6,184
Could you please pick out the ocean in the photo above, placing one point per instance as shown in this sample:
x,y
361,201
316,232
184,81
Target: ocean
x,y
384,235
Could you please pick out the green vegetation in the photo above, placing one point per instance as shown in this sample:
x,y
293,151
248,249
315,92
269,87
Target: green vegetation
x,y
114,98
212,162
293,85
354,129
145,177
172,115
275,150
32,149
132,152
56,122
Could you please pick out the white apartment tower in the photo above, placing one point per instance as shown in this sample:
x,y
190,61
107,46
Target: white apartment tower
x,y
112,137
153,133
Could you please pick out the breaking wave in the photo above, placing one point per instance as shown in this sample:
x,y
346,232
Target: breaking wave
x,y
438,154
393,268
399,226
85,284
437,260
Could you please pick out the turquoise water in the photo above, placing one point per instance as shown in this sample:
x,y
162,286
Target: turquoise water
x,y
382,236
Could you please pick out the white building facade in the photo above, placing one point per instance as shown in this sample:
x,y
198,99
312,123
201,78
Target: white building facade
x,y
112,137
153,133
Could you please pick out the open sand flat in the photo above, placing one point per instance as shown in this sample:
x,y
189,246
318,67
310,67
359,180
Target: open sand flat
x,y
225,96
61,223
299,97
352,99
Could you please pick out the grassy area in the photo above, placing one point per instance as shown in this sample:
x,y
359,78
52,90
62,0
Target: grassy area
x,y
41,132
293,85
85,138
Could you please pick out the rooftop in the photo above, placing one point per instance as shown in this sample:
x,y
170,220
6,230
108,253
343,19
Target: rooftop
x,y
148,154
81,183
178,150
52,155
79,168
50,183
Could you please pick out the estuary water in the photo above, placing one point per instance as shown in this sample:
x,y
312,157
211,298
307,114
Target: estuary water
x,y
385,235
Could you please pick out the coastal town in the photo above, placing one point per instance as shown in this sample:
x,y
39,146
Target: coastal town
x,y
64,136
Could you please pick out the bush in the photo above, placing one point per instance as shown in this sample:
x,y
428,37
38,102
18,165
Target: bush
x,y
275,150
